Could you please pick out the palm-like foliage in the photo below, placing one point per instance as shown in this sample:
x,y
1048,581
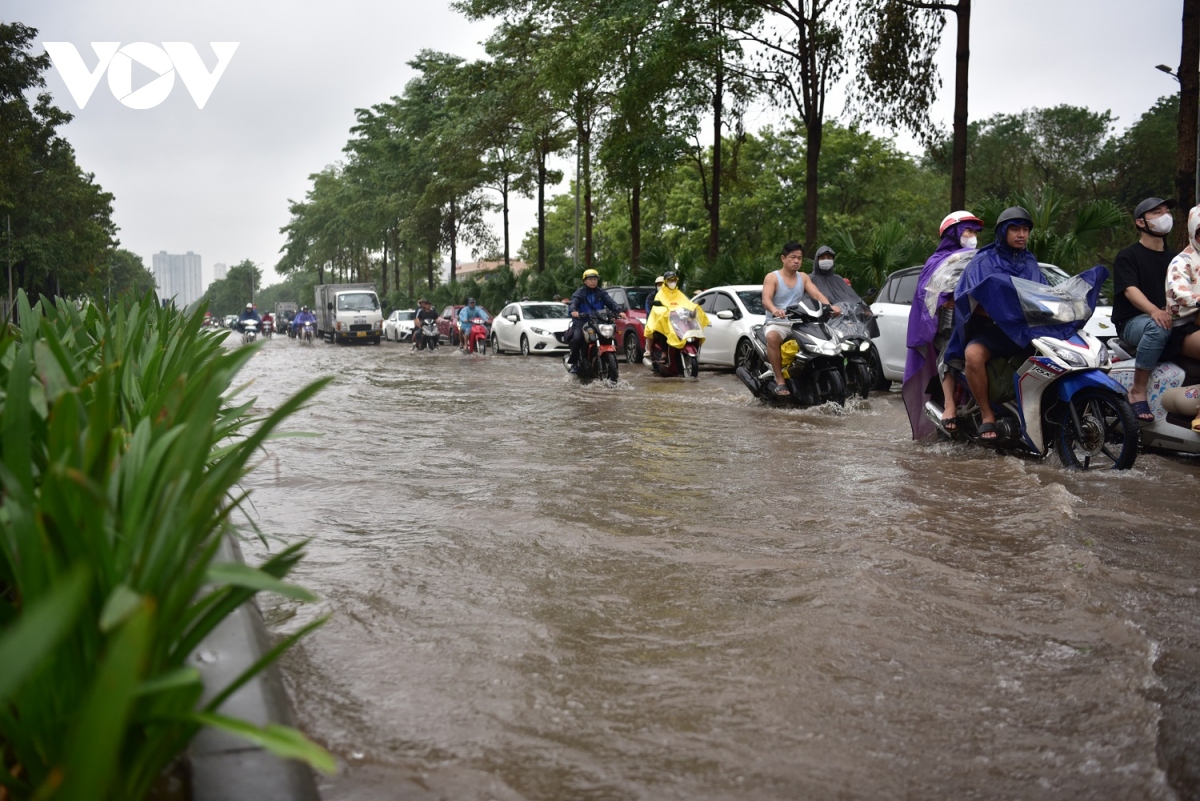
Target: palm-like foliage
x,y
1062,235
888,248
121,456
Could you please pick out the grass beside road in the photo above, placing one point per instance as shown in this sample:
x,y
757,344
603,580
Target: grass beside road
x,y
122,449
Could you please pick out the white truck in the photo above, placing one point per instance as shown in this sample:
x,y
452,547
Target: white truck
x,y
348,313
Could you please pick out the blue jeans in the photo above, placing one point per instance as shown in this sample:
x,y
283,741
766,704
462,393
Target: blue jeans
x,y
1148,337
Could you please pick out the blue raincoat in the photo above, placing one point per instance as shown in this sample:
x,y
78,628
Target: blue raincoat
x,y
989,281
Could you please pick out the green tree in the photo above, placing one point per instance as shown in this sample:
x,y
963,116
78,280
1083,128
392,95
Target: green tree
x,y
230,294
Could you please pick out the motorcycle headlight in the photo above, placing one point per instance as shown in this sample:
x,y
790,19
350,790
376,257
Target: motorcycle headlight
x,y
846,346
1070,357
825,348
607,331
1105,356
865,346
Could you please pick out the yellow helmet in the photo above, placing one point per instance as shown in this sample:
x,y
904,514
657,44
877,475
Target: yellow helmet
x,y
590,274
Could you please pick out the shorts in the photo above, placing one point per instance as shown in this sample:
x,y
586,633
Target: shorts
x,y
984,331
784,327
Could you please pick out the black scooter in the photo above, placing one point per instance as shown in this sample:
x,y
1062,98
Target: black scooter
x,y
598,358
813,361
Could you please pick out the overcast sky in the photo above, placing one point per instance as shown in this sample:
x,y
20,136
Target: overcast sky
x,y
217,181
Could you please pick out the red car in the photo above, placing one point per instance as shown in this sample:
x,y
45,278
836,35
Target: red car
x,y
448,325
631,337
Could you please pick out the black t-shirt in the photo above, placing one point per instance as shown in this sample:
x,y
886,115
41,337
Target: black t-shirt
x,y
430,314
1146,269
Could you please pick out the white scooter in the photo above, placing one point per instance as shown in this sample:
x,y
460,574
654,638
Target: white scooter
x,y
1168,432
249,331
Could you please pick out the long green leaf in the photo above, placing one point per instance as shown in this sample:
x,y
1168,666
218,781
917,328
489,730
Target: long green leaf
x,y
283,741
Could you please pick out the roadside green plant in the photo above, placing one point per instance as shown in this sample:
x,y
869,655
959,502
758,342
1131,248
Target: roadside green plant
x,y
122,451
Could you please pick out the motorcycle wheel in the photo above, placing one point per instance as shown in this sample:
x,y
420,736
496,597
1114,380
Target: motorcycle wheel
x,y
1107,437
481,346
691,365
859,378
608,365
633,354
832,387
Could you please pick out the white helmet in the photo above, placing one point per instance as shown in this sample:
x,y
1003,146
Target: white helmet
x,y
956,217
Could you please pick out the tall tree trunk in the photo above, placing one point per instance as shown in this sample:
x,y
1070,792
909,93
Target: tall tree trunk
x,y
714,206
635,227
587,201
430,269
962,60
812,157
1189,97
396,260
453,239
541,201
504,200
384,266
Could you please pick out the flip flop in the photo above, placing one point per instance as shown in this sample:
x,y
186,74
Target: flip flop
x,y
781,392
950,424
988,442
1142,410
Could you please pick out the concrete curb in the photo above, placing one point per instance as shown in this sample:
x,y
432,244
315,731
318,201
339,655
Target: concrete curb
x,y
226,768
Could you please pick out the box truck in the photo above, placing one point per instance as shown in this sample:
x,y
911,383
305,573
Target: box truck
x,y
348,313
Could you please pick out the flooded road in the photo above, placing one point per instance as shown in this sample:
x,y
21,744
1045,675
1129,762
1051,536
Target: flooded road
x,y
662,590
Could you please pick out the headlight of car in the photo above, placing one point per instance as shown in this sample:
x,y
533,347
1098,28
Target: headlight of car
x,y
607,330
1070,357
540,332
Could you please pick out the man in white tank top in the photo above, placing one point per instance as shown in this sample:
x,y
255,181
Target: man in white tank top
x,y
785,287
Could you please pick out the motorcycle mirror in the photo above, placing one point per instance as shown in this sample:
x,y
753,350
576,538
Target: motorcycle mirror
x,y
658,303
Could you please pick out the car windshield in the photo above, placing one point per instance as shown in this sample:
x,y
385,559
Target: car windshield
x,y
406,315
357,302
753,302
546,311
637,297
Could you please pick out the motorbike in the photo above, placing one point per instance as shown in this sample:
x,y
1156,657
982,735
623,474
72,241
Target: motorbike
x,y
812,361
1058,397
598,358
477,337
307,332
249,331
668,361
855,327
268,329
291,330
1167,432
429,336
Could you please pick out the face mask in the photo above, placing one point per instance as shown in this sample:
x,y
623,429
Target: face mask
x,y
672,284
1161,225
825,264
969,241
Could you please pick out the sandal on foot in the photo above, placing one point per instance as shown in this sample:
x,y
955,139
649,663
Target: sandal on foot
x,y
781,392
1196,425
950,424
1142,410
989,428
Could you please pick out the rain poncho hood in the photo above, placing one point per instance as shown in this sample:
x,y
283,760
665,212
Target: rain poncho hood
x,y
832,285
659,320
921,364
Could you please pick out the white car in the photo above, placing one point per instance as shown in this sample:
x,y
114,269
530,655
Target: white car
x,y
894,302
732,311
399,326
529,327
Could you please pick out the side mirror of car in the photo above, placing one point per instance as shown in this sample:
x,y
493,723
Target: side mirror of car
x,y
725,314
512,318
329,306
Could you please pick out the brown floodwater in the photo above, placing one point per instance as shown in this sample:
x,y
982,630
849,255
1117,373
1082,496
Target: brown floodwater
x,y
664,590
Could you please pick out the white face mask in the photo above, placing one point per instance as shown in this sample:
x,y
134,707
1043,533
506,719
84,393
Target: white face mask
x,y
1161,225
969,241
672,284
825,264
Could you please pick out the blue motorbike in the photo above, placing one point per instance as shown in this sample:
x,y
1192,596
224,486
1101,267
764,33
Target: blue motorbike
x,y
1061,397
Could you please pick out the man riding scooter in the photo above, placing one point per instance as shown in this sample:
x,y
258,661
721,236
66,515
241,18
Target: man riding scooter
x,y
248,313
587,300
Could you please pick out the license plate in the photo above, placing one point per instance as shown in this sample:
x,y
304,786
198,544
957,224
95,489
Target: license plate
x,y
362,333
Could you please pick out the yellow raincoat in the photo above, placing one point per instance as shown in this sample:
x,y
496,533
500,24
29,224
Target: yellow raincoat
x,y
660,316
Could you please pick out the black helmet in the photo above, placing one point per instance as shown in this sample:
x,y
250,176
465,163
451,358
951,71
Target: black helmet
x,y
1014,213
669,274
1151,203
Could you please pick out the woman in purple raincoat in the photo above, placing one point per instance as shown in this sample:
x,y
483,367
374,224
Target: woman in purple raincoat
x,y
959,233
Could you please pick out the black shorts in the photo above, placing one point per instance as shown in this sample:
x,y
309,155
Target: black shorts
x,y
984,331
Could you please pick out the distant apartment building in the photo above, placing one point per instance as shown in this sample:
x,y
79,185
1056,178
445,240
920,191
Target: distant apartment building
x,y
478,268
178,277
220,271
